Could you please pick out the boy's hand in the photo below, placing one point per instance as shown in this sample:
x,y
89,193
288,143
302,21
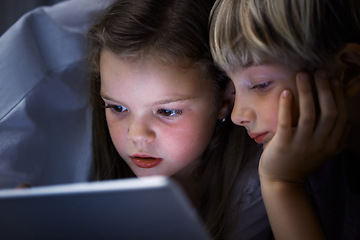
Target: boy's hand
x,y
294,153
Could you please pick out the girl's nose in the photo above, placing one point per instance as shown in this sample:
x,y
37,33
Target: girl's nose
x,y
141,132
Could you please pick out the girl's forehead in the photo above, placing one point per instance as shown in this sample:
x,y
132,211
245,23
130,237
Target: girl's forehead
x,y
115,70
151,54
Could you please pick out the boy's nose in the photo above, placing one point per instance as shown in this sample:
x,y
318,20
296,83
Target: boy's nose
x,y
141,132
242,116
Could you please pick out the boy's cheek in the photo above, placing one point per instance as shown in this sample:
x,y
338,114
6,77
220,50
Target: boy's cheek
x,y
295,114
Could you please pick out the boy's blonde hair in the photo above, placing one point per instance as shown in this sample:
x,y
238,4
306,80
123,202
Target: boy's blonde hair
x,y
304,32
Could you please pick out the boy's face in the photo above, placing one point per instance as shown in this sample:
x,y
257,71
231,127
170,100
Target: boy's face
x,y
160,118
258,90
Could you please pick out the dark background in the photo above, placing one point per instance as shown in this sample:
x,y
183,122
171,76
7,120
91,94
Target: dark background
x,y
12,10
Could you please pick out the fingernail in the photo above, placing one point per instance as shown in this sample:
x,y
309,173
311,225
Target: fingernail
x,y
321,74
303,76
286,93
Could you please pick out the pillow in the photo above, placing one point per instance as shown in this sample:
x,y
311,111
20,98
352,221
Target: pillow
x,y
45,113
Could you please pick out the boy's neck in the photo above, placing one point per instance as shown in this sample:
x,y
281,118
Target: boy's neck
x,y
353,107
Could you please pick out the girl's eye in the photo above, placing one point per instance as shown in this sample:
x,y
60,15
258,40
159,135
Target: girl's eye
x,y
116,108
169,112
260,86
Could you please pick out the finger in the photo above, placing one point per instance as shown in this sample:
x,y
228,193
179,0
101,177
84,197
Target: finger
x,y
328,109
284,128
307,116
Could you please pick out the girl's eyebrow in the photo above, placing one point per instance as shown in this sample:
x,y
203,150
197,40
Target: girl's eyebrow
x,y
105,97
164,101
173,100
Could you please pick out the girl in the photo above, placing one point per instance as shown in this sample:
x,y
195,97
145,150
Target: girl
x,y
160,108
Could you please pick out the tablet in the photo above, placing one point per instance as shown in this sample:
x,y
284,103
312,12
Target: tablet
x,y
138,208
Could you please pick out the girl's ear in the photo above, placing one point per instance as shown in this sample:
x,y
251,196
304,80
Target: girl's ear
x,y
349,59
227,101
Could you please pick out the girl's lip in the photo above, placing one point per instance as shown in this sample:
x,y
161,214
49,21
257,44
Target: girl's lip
x,y
258,137
145,161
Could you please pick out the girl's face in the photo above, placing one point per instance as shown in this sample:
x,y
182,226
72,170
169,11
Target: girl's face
x,y
258,90
160,118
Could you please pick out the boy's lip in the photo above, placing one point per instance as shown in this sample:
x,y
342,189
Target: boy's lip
x,y
258,137
145,160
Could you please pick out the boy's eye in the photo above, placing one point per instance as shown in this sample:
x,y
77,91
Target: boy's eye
x,y
169,112
116,108
260,85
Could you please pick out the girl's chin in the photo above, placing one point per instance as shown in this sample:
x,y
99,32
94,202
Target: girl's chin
x,y
145,173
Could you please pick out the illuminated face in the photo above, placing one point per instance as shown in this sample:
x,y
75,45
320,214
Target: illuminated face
x,y
258,90
160,118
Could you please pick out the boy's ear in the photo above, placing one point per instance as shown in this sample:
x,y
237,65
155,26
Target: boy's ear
x,y
227,101
349,59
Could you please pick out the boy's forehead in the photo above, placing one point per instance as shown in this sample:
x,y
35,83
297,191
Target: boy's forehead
x,y
285,63
262,71
252,65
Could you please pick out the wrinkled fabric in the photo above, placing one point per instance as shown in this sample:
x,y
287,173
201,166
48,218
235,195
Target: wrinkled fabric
x,y
45,114
250,220
335,192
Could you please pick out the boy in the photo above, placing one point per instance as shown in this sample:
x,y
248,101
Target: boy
x,y
261,44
